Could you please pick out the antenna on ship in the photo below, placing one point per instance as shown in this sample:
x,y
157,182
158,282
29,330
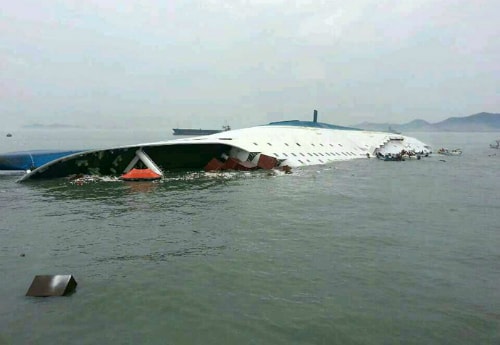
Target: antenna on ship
x,y
315,119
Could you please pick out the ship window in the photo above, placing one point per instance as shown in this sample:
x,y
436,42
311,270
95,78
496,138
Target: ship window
x,y
269,144
275,154
313,145
302,154
320,144
321,154
293,154
309,153
341,145
331,145
314,153
298,144
308,160
321,161
344,153
256,144
284,154
286,144
301,161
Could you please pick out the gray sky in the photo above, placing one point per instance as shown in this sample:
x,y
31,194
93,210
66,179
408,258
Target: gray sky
x,y
246,62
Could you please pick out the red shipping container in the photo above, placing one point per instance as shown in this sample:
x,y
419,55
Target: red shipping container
x,y
231,163
267,162
246,166
214,165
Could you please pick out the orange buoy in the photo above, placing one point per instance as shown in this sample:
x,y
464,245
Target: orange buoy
x,y
140,175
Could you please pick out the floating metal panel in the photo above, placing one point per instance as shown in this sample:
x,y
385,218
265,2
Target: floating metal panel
x,y
51,285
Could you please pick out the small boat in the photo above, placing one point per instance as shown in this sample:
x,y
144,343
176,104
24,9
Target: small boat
x,y
390,157
9,135
393,158
446,152
192,131
495,146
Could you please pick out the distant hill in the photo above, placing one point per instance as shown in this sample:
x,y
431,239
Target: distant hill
x,y
50,126
482,122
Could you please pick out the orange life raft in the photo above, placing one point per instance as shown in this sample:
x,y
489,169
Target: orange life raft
x,y
140,175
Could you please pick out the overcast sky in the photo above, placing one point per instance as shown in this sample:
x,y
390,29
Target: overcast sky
x,y
246,62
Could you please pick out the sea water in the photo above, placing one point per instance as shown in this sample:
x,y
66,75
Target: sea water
x,y
356,252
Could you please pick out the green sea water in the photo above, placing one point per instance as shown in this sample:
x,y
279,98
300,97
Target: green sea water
x,y
357,252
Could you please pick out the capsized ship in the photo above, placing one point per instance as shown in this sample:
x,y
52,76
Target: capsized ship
x,y
293,144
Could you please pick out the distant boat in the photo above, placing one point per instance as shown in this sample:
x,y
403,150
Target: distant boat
x,y
8,135
497,145
390,157
446,152
192,131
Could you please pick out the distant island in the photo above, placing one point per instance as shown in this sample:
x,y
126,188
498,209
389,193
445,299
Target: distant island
x,y
51,126
482,122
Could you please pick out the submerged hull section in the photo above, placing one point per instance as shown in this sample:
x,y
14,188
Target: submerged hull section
x,y
113,162
291,143
29,160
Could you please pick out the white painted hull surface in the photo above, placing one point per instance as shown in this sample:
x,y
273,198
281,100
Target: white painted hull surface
x,y
302,146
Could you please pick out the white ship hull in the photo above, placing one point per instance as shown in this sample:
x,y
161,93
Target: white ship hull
x,y
292,143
